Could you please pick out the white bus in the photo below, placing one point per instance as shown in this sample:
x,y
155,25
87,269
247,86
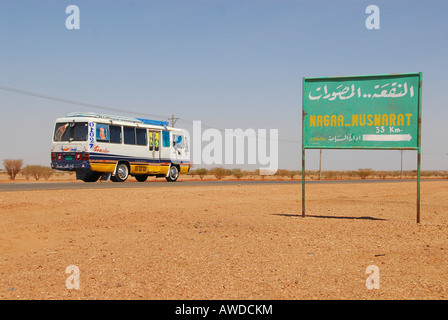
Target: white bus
x,y
114,147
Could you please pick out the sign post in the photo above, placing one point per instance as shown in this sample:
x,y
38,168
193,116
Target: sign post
x,y
380,112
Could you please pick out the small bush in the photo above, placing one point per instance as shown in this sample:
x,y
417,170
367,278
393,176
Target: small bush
x,y
12,167
37,172
201,172
364,173
258,173
281,173
292,173
26,172
191,173
382,174
427,173
220,173
332,175
238,173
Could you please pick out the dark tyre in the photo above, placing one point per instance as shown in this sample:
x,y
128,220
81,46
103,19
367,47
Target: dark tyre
x,y
173,174
121,174
91,176
141,177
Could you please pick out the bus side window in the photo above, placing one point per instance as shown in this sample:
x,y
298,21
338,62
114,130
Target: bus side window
x,y
141,136
129,135
115,134
102,132
166,139
178,141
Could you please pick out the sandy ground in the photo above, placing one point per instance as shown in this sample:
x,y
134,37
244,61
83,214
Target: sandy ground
x,y
232,242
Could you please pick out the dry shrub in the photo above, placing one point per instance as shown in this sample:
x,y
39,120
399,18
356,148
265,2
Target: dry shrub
x,y
332,175
201,172
220,173
12,167
293,173
281,173
238,173
382,174
37,172
364,173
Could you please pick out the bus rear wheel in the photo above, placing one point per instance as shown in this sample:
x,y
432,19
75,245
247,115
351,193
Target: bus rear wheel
x,y
173,174
121,174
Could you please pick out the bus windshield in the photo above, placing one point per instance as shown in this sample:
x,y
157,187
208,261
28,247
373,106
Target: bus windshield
x,y
70,131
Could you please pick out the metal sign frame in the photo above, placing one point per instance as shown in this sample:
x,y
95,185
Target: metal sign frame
x,y
352,112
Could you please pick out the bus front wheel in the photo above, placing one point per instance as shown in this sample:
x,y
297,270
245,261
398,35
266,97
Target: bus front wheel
x,y
121,174
173,174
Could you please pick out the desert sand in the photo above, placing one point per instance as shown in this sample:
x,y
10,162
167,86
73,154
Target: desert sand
x,y
226,242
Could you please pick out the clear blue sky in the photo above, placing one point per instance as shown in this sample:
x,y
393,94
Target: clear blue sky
x,y
230,64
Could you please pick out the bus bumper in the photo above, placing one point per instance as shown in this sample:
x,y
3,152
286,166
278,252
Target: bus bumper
x,y
69,165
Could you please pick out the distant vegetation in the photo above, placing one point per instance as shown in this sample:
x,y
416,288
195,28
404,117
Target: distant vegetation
x,y
364,173
283,174
200,172
14,166
37,172
220,173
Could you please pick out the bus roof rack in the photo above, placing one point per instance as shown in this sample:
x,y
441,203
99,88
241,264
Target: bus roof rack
x,y
119,118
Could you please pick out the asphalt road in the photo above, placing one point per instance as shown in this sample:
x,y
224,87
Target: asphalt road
x,y
163,183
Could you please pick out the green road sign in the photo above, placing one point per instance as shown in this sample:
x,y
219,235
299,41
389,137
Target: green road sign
x,y
374,112
362,112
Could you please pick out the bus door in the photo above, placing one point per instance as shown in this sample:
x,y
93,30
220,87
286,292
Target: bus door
x,y
154,150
